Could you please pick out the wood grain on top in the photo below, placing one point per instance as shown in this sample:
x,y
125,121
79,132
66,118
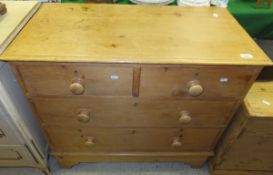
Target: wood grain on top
x,y
259,100
134,34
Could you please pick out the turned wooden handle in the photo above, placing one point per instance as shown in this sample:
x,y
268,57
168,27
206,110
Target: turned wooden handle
x,y
77,87
3,8
90,141
195,88
185,117
176,142
83,116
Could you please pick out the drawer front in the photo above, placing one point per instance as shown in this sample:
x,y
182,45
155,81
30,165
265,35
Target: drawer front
x,y
131,139
130,112
76,79
16,156
10,154
199,82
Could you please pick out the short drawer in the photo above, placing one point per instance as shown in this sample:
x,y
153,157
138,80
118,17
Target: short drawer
x,y
12,155
195,82
139,112
76,79
75,139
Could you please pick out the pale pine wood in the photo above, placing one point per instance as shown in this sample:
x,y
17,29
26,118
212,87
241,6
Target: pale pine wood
x,y
195,159
111,110
234,172
18,14
136,81
55,79
73,139
132,112
173,81
252,127
229,138
238,172
257,134
134,34
259,100
166,81
134,85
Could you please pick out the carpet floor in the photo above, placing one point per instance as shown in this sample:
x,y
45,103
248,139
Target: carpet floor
x,y
115,169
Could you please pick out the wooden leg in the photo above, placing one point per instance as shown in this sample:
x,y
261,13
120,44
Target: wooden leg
x,y
65,163
268,4
259,4
197,165
260,1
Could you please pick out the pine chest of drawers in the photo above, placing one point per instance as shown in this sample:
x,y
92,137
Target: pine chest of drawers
x,y
134,83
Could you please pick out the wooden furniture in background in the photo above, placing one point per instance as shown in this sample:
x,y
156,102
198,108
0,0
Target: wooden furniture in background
x,y
247,147
22,143
259,2
13,21
134,83
99,1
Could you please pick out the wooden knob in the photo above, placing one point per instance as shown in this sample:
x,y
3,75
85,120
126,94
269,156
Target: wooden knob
x,y
177,142
3,8
195,88
90,141
77,87
185,117
83,116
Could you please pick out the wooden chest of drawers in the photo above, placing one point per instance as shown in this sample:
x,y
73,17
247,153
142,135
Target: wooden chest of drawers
x,y
134,83
247,148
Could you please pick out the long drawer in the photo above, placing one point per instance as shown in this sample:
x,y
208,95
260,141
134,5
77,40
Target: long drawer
x,y
194,82
75,139
132,112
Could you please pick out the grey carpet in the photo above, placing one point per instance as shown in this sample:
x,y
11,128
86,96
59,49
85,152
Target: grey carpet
x,y
115,169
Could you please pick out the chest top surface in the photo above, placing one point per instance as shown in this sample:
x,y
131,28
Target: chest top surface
x,y
134,34
259,100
